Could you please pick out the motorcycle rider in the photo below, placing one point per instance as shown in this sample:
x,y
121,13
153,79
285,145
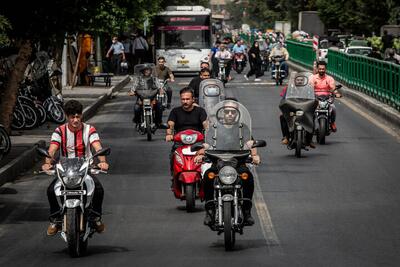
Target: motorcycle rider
x,y
194,84
324,84
145,80
164,73
72,139
187,116
298,81
223,53
230,117
279,50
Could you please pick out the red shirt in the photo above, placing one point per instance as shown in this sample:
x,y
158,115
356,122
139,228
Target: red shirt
x,y
322,86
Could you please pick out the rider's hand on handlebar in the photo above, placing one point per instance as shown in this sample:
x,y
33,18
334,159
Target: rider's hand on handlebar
x,y
199,159
338,95
103,166
47,167
169,137
131,93
256,159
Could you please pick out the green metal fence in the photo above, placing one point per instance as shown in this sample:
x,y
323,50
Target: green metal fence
x,y
376,78
301,53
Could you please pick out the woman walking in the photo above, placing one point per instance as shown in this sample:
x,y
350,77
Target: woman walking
x,y
255,62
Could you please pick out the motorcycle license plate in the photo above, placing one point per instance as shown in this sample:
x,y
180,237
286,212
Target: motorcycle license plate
x,y
239,60
183,61
147,102
73,192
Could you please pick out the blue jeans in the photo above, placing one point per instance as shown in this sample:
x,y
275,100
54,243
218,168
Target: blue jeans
x,y
284,66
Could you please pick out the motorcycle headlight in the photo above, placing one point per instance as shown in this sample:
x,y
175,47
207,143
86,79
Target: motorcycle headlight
x,y
146,102
227,175
72,179
299,113
323,104
189,139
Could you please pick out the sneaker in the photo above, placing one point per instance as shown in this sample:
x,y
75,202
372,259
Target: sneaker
x,y
284,141
257,80
312,145
53,229
100,227
333,127
245,76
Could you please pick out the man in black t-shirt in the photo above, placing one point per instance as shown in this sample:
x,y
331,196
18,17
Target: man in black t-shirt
x,y
194,84
187,116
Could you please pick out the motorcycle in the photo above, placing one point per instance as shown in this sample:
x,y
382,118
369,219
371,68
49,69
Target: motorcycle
x,y
74,191
222,65
228,151
278,74
239,62
147,100
265,63
186,173
298,109
162,95
323,116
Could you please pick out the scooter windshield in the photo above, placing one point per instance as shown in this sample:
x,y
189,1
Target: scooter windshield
x,y
145,85
71,166
299,97
230,127
210,94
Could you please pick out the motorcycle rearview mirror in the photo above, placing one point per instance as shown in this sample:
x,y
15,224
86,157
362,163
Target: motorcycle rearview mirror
x,y
338,86
196,147
43,152
259,143
102,152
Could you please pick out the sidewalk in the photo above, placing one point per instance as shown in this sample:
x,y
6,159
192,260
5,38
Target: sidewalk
x,y
23,143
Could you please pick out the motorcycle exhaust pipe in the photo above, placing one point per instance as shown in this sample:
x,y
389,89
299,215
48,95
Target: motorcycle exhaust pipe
x,y
81,223
65,223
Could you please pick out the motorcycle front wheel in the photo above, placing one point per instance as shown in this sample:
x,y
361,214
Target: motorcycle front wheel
x,y
56,113
190,194
321,131
76,247
148,128
229,232
18,121
299,143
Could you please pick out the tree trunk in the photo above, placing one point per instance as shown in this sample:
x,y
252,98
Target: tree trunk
x,y
11,88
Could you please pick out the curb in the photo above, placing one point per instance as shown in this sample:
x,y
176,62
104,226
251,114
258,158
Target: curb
x,y
91,110
385,112
28,159
22,163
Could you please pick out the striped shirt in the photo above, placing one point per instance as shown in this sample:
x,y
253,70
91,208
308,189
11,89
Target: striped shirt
x,y
75,144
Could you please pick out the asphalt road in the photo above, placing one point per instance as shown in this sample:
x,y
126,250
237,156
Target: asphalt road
x,y
336,206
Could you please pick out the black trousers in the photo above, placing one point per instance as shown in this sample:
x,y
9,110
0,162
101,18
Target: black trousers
x,y
285,130
97,201
169,94
248,188
255,68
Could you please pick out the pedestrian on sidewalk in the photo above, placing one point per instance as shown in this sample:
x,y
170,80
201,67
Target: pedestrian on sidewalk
x,y
118,55
140,47
255,62
128,50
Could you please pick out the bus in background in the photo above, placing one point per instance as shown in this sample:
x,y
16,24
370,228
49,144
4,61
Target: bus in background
x,y
183,37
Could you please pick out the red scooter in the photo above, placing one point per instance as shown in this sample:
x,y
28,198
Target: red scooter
x,y
186,173
239,62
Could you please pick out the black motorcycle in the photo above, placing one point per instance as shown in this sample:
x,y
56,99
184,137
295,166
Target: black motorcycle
x,y
323,116
228,150
298,108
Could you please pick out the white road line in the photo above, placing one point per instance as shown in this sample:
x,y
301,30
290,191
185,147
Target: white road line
x,y
358,109
266,225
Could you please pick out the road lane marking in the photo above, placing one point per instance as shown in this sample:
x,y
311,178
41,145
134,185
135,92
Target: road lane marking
x,y
385,127
264,216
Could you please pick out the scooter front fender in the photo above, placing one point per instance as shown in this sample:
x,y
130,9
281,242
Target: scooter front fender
x,y
189,177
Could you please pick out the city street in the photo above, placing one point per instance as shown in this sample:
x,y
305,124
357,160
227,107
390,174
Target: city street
x,y
338,205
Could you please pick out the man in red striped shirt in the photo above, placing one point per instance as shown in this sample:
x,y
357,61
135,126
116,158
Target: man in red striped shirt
x,y
74,139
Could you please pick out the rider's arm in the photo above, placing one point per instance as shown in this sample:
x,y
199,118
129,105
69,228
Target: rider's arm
x,y
171,75
48,161
103,162
170,131
286,54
